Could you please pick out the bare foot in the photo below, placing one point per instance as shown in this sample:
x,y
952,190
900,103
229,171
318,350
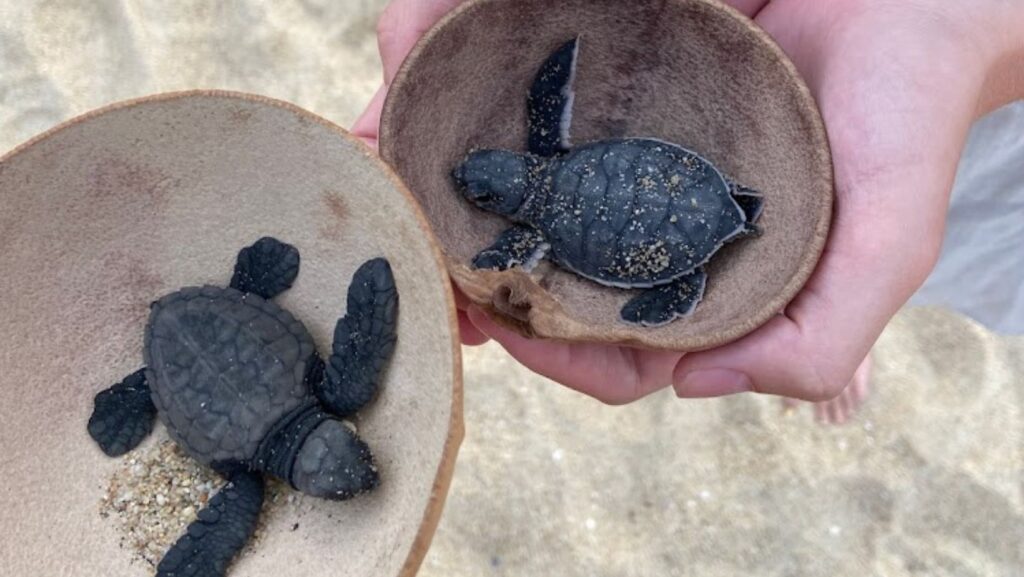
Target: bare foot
x,y
840,409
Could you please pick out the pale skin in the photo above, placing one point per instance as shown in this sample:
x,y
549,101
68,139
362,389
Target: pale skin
x,y
898,83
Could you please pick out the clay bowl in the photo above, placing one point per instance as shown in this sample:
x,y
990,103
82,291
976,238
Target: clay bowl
x,y
692,72
106,213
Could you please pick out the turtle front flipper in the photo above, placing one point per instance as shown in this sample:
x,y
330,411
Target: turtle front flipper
x,y
519,245
663,304
221,530
549,105
122,415
363,340
268,267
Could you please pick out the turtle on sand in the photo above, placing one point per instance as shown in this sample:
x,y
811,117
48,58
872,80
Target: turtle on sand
x,y
239,385
636,213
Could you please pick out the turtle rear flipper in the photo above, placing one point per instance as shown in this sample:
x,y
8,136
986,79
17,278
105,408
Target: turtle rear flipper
x,y
662,304
223,527
122,415
751,202
549,106
268,267
363,340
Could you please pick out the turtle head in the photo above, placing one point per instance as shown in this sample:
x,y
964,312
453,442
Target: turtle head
x,y
495,180
334,463
318,455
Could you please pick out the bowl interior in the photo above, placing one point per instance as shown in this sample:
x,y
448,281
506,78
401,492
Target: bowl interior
x,y
690,72
107,213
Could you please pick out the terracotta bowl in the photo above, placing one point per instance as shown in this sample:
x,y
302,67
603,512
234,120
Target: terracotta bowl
x,y
692,72
106,213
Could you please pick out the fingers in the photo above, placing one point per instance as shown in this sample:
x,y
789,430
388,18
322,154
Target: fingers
x,y
611,374
400,27
470,334
894,166
366,126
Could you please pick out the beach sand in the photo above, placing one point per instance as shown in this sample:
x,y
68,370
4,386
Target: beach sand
x,y
927,480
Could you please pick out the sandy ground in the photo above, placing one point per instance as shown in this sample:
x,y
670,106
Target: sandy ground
x,y
928,480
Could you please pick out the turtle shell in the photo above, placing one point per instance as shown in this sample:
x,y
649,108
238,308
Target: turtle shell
x,y
223,367
636,212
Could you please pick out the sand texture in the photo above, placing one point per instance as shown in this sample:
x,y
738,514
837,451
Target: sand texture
x,y
927,481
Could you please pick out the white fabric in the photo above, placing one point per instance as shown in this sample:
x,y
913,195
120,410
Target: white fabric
x,y
981,269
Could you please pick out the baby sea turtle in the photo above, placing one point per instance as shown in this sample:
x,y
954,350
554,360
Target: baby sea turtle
x,y
624,212
239,385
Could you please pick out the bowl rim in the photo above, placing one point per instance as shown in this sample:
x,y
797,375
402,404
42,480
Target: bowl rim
x,y
575,330
456,428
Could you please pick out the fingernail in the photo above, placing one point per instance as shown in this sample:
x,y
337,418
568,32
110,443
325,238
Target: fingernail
x,y
713,383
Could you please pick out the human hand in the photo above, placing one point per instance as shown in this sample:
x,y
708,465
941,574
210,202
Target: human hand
x,y
401,25
898,85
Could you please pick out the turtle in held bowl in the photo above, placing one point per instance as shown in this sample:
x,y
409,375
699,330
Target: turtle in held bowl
x,y
635,213
238,383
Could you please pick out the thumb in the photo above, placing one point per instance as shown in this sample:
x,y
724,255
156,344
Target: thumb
x,y
877,256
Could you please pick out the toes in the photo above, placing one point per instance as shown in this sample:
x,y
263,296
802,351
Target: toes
x,y
860,386
842,409
821,412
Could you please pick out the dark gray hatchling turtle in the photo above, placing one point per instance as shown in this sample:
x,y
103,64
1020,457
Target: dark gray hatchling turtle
x,y
636,213
239,385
